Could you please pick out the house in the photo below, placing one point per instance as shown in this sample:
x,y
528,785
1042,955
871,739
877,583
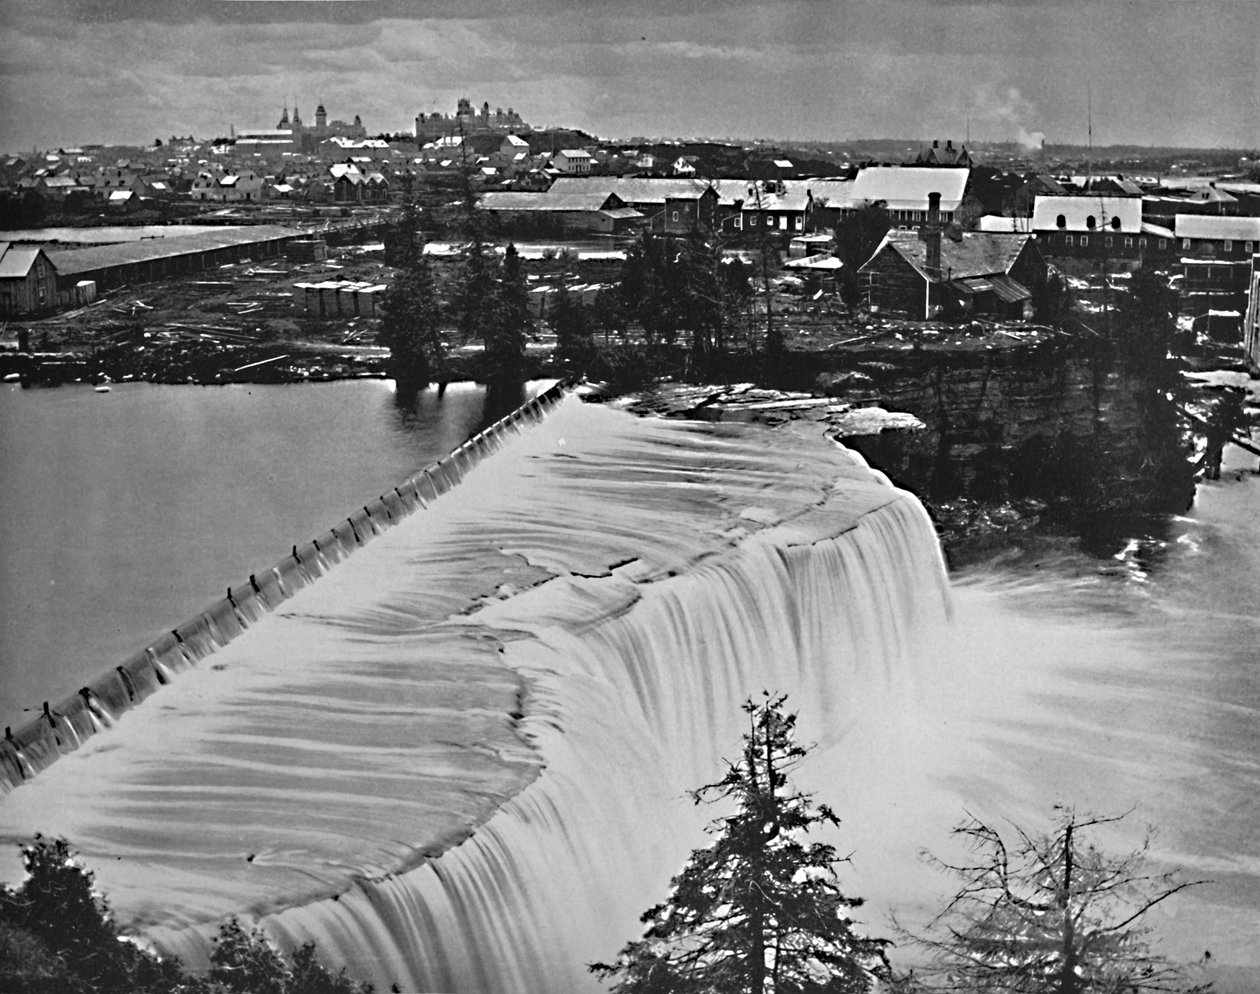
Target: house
x,y
685,165
597,212
57,188
1215,258
245,185
677,204
1025,196
512,146
947,156
572,161
1097,227
351,186
927,273
1217,236
28,280
775,206
904,192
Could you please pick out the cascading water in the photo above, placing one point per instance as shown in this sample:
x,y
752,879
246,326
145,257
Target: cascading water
x,y
459,760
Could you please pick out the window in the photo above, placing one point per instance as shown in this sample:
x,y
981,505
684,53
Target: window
x,y
1061,221
1248,246
1163,243
800,223
1107,242
1084,240
752,220
1091,222
1128,242
739,221
675,215
1068,240
1229,246
1185,244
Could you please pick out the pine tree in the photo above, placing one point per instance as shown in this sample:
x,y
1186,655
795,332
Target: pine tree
x,y
410,327
509,322
760,910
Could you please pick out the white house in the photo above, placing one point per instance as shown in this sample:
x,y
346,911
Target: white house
x,y
572,161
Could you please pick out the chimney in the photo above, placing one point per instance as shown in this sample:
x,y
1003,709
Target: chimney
x,y
949,145
932,238
936,143
931,235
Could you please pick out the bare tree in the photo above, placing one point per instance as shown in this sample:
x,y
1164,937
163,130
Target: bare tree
x,y
1050,913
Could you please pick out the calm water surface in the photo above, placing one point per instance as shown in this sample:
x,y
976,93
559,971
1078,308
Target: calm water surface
x,y
125,513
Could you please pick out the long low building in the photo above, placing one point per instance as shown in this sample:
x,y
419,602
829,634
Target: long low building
x,y
142,262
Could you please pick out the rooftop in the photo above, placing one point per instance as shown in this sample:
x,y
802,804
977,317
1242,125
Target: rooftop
x,y
977,253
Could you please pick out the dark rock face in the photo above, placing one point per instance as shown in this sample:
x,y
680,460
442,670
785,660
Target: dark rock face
x,y
1032,438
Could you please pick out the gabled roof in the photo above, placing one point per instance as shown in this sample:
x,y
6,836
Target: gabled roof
x,y
16,261
644,190
1217,227
1087,214
978,253
836,192
512,200
574,153
794,198
906,188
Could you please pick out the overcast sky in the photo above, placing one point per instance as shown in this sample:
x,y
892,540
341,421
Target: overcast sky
x,y
1183,72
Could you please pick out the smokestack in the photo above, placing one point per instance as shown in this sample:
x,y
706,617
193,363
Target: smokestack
x,y
934,208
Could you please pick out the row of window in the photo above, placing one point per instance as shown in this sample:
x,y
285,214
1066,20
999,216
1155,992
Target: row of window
x,y
1108,241
1186,243
784,222
1091,222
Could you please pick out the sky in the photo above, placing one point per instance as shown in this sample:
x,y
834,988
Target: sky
x,y
1155,72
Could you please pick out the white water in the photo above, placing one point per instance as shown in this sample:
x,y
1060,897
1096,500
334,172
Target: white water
x,y
371,721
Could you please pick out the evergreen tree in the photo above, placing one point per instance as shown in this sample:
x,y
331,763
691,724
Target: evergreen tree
x,y
575,346
758,911
509,322
410,327
1049,915
857,238
58,936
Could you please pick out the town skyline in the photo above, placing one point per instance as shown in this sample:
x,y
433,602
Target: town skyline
x,y
1148,72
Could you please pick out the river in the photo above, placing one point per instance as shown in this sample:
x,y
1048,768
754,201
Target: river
x,y
1050,677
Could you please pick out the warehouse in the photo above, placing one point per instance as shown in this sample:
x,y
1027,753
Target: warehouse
x,y
145,261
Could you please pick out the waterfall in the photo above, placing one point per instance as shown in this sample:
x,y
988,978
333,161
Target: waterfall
x,y
459,760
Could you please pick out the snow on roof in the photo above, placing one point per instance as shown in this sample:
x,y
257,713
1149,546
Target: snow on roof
x,y
1217,227
1086,214
1016,225
907,187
